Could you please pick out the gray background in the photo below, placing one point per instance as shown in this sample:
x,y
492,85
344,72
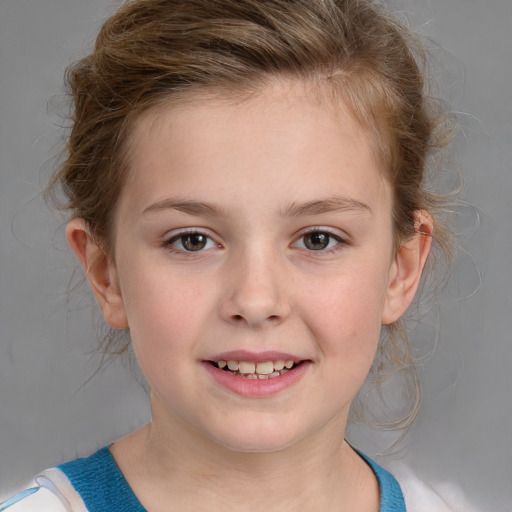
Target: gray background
x,y
464,432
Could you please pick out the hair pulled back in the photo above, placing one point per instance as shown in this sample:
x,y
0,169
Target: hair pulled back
x,y
155,51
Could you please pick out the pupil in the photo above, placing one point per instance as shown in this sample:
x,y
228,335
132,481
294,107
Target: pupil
x,y
317,241
194,242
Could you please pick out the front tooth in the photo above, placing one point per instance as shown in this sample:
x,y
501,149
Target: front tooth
x,y
233,365
278,366
265,368
288,364
246,367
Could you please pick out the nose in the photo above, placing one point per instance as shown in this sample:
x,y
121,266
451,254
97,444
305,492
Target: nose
x,y
256,294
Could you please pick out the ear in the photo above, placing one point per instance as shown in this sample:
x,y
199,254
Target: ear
x,y
407,267
100,271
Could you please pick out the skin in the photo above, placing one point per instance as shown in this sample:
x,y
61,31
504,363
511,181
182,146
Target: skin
x,y
271,169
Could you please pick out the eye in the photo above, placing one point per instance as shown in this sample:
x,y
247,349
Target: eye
x,y
191,242
318,241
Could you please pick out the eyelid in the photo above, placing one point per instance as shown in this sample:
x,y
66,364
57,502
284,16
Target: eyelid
x,y
176,234
335,232
187,231
338,235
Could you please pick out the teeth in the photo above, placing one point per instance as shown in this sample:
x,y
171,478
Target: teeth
x,y
246,367
278,365
233,365
262,370
265,368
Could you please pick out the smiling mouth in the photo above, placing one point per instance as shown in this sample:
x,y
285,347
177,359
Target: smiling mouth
x,y
263,370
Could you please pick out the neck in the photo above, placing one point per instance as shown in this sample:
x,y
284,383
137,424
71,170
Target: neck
x,y
195,471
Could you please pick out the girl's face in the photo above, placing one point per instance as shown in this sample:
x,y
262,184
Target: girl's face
x,y
254,234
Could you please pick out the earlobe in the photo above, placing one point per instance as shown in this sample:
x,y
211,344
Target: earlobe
x,y
407,267
100,271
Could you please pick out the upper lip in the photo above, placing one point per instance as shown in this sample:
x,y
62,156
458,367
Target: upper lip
x,y
255,357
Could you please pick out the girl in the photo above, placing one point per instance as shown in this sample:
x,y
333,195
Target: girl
x,y
246,186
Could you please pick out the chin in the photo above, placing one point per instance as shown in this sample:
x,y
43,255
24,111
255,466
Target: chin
x,y
259,438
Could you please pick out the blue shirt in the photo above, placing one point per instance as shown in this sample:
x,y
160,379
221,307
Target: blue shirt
x,y
103,488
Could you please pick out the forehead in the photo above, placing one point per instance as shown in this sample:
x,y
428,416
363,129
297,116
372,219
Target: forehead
x,y
305,100
285,134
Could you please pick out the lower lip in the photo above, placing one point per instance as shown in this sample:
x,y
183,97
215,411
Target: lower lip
x,y
257,388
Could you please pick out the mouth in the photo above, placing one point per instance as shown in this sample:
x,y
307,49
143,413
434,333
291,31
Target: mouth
x,y
257,375
260,370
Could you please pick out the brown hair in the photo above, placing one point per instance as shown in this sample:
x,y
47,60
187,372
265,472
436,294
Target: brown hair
x,y
152,51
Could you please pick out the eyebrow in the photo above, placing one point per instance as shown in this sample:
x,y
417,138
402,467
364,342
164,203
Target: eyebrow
x,y
186,206
315,207
327,205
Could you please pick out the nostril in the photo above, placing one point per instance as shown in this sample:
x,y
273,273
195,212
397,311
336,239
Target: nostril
x,y
241,318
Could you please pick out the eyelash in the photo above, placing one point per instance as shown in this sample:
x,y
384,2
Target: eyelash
x,y
340,242
181,236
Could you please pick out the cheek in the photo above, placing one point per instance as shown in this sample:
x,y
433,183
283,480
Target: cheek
x,y
344,312
165,312
166,319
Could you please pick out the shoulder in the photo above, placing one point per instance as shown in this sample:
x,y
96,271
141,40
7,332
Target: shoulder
x,y
34,498
50,491
87,483
420,496
405,490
